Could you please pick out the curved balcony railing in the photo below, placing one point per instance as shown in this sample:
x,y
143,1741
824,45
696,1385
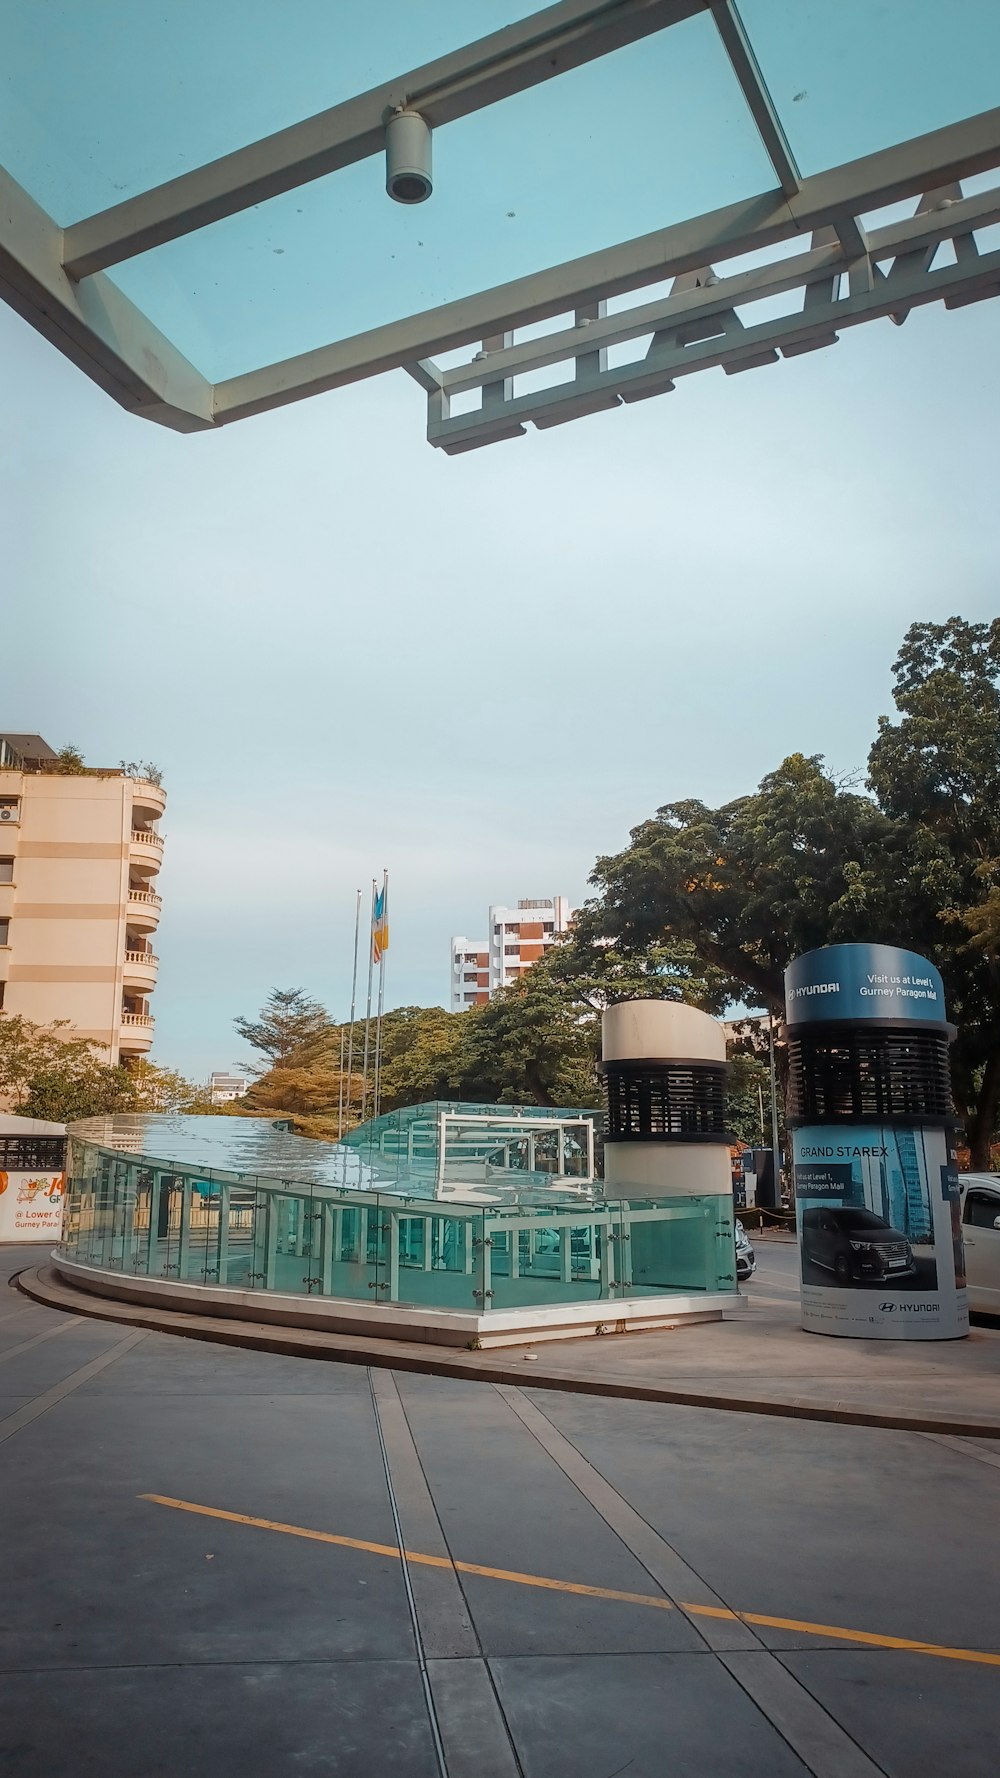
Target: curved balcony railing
x,y
137,1021
144,836
145,898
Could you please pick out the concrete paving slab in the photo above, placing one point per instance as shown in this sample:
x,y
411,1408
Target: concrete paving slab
x,y
638,1715
351,1719
778,1515
190,1588
503,1504
912,1721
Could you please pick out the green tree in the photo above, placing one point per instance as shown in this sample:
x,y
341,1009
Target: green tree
x,y
936,772
540,1039
424,1056
807,861
70,762
288,1020
751,885
48,1073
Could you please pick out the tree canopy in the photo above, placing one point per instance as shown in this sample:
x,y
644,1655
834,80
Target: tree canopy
x,y
46,1072
807,861
288,1020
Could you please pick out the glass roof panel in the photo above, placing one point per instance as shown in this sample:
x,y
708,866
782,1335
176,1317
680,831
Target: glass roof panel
x,y
850,78
652,134
98,102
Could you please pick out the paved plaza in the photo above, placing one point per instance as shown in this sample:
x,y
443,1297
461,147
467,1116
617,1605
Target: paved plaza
x,y
203,1574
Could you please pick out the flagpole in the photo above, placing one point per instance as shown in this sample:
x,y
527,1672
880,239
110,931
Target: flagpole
x,y
383,947
368,1012
340,1101
354,1002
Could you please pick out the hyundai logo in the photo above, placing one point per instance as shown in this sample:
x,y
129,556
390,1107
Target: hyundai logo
x,y
888,1308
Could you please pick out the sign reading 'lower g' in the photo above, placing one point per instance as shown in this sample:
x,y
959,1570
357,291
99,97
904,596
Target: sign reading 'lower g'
x,y
31,1206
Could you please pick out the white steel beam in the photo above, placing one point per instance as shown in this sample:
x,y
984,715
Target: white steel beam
x,y
905,170
739,49
95,326
535,49
923,231
685,350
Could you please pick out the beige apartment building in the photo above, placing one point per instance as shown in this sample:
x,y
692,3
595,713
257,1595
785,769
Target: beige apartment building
x,y
79,857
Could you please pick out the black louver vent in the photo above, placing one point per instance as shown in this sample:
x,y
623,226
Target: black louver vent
x,y
856,1076
666,1102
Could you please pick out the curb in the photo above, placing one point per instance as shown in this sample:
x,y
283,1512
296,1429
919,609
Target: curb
x,y
43,1285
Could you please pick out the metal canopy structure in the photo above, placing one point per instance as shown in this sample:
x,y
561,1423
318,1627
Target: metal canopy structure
x,y
566,123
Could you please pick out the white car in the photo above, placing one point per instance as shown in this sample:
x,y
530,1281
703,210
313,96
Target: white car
x,y
746,1260
981,1237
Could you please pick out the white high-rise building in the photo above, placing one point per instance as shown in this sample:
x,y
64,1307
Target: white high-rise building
x,y
517,938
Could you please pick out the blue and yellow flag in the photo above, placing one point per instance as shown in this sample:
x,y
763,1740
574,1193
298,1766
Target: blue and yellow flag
x,y
380,926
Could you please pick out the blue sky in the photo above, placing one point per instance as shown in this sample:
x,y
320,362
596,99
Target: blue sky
x,y
347,651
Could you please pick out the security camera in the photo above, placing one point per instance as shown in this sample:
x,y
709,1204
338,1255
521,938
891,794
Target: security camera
x,y
408,158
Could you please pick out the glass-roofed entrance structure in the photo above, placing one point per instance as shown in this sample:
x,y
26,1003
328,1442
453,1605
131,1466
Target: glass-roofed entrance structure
x,y
536,214
462,1224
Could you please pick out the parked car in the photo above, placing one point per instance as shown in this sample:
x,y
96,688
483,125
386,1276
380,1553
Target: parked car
x,y
856,1245
981,1237
746,1260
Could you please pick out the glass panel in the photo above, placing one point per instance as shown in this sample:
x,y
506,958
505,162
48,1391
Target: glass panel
x,y
679,1244
852,78
241,1227
647,136
102,102
548,1257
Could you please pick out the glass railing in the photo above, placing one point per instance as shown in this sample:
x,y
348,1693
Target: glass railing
x,y
147,1217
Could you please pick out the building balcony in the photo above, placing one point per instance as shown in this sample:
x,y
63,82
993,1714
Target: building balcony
x,y
145,849
135,1034
139,971
148,799
144,909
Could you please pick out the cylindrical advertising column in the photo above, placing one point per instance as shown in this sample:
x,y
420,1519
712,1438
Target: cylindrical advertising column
x,y
665,1072
666,1151
873,1150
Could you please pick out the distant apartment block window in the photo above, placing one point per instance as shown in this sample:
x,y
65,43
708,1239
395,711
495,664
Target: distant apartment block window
x,y
512,950
6,870
4,932
469,998
547,926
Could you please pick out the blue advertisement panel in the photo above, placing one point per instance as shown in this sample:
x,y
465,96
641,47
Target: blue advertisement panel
x,y
880,1238
861,982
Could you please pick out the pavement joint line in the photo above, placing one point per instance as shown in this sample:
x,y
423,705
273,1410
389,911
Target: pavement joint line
x,y
33,1409
418,1641
36,1340
964,1448
823,1744
665,1566
866,1638
462,1687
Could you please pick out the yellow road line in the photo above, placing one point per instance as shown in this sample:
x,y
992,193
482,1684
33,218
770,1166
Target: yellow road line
x,y
390,1549
866,1638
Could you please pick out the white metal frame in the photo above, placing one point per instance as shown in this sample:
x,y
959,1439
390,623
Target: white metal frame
x,y
58,279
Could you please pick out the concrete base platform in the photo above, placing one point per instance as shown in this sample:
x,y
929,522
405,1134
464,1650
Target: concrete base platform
x,y
760,1362
542,1322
